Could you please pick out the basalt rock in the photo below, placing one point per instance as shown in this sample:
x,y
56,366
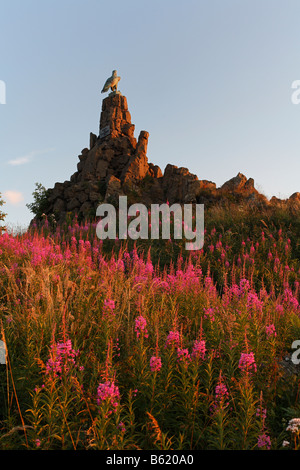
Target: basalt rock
x,y
116,164
239,183
295,198
115,159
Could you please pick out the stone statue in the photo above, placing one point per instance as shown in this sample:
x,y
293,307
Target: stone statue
x,y
111,83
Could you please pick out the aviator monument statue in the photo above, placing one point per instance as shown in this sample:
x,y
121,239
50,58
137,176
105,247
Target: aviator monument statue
x,y
112,83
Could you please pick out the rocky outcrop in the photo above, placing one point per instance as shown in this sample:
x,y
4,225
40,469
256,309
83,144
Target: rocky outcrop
x,y
117,164
238,183
295,198
137,167
114,160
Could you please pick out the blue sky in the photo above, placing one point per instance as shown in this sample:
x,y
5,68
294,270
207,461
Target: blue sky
x,y
210,80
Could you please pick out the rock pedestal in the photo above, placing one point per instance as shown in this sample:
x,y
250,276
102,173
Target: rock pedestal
x,y
115,119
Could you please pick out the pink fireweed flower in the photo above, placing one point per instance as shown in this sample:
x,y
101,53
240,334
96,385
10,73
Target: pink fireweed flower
x,y
108,392
270,330
221,396
199,349
108,307
244,286
149,268
209,313
173,339
289,299
253,302
264,441
221,391
279,309
117,348
140,326
155,364
121,426
247,362
219,245
261,412
183,355
210,287
62,357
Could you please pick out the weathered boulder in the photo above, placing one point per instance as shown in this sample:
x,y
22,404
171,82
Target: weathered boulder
x,y
295,198
59,206
154,171
72,204
114,189
197,188
137,166
237,183
177,182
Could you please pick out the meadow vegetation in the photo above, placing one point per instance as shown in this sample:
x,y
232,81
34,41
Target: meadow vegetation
x,y
143,345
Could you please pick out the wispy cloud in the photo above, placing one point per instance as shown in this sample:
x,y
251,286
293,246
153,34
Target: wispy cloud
x,y
28,157
14,197
20,160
